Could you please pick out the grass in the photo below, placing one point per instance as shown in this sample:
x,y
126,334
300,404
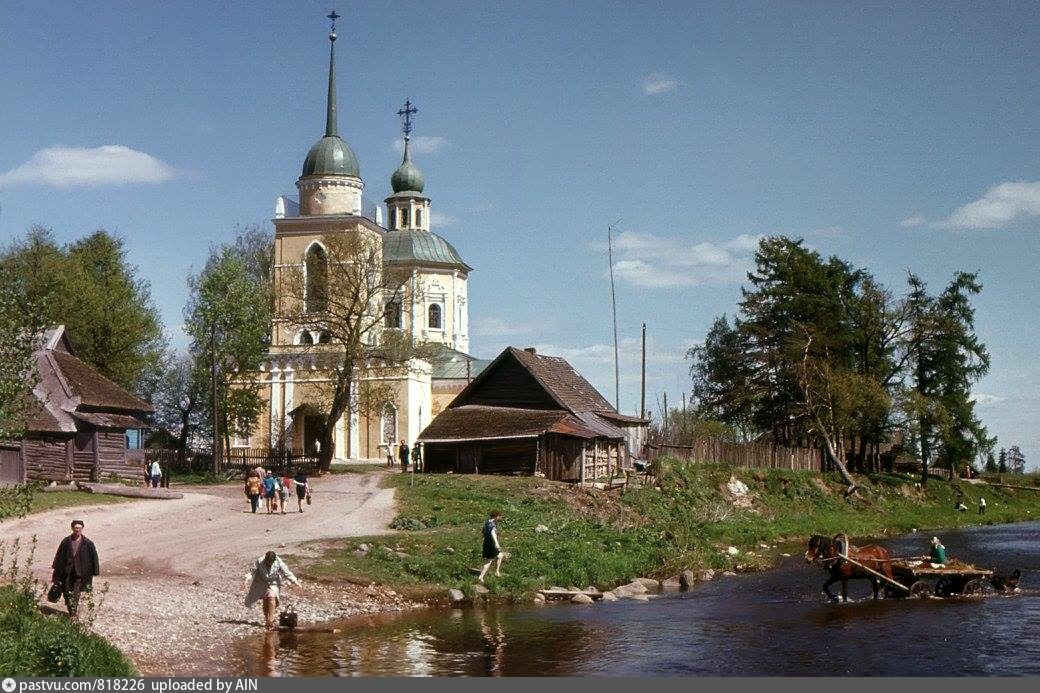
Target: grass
x,y
35,644
42,502
686,521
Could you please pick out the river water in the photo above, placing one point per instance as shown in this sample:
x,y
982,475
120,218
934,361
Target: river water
x,y
771,623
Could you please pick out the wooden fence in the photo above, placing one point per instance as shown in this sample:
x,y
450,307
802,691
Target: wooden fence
x,y
747,455
237,459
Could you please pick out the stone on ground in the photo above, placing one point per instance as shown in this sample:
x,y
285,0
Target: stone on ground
x,y
456,596
581,599
687,579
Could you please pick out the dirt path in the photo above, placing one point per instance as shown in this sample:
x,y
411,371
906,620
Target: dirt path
x,y
175,568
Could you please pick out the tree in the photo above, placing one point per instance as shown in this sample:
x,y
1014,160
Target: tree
x,y
1002,464
947,359
89,287
724,389
342,293
991,462
1016,461
181,399
228,319
21,324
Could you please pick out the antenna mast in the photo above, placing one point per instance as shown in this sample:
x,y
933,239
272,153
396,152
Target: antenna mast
x,y
613,304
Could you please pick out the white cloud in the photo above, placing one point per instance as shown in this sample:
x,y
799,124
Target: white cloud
x,y
648,260
984,400
113,164
659,83
912,222
1002,204
423,144
440,219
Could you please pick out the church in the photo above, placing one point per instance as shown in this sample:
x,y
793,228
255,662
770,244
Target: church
x,y
435,312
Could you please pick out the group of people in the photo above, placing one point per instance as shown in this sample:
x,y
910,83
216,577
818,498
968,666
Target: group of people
x,y
276,490
961,507
153,475
406,456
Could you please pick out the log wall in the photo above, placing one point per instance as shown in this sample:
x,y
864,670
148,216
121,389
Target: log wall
x,y
47,459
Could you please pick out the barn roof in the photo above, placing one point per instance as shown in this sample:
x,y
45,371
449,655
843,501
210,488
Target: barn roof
x,y
477,422
69,391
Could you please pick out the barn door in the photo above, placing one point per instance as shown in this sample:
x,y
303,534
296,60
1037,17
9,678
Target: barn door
x,y
84,456
11,472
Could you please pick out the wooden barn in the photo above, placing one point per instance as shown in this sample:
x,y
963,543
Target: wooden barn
x,y
528,413
82,426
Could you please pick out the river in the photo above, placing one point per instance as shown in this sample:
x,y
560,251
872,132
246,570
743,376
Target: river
x,y
761,624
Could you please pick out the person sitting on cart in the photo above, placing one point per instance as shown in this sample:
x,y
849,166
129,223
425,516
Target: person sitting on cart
x,y
938,554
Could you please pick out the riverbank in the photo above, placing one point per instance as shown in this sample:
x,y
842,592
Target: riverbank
x,y
697,518
172,571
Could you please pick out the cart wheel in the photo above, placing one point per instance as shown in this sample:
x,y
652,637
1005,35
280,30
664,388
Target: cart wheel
x,y
920,590
973,588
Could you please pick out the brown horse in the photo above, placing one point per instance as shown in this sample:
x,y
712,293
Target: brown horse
x,y
826,550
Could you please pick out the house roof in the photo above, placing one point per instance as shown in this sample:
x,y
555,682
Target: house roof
x,y
478,422
453,364
69,391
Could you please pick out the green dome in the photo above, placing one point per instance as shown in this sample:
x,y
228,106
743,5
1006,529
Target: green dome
x,y
407,177
416,247
331,156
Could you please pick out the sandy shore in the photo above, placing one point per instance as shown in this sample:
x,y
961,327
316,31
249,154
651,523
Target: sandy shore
x,y
175,569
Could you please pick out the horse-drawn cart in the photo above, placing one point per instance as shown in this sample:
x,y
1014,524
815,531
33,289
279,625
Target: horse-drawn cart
x,y
953,579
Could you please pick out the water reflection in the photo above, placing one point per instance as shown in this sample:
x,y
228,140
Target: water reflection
x,y
774,623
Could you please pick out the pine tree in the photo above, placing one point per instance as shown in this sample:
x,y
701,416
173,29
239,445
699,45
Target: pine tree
x,y
1002,465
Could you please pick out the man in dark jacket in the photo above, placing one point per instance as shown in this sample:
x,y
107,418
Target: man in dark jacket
x,y
402,454
75,565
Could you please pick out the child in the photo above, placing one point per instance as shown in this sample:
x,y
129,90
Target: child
x,y
492,550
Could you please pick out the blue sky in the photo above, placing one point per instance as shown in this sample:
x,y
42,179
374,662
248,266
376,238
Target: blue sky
x,y
896,135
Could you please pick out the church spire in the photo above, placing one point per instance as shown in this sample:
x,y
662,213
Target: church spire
x,y
407,177
331,126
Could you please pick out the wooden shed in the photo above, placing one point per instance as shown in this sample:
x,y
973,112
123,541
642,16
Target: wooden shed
x,y
81,425
528,413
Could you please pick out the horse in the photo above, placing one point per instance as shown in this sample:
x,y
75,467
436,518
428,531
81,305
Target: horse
x,y
826,550
1006,583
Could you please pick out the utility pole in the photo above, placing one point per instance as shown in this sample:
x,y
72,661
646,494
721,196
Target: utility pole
x,y
642,384
664,420
216,419
613,304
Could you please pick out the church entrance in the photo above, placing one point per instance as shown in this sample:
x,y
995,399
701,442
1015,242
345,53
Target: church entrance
x,y
312,424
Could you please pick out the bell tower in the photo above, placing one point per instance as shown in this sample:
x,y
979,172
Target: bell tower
x,y
331,180
407,208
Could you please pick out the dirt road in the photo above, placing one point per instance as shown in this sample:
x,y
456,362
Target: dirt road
x,y
175,568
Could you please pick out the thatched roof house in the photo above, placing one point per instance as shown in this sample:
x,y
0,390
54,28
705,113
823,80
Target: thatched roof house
x,y
81,425
528,413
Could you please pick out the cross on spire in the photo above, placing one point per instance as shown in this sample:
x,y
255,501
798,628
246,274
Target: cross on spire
x,y
333,16
407,112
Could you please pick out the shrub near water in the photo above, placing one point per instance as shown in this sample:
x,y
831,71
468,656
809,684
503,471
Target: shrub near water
x,y
33,644
686,519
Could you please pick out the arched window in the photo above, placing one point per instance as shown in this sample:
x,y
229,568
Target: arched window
x,y
393,314
316,266
403,212
434,319
389,424
305,338
393,218
324,338
418,218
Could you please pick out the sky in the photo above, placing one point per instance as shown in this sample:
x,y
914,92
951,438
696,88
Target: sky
x,y
898,136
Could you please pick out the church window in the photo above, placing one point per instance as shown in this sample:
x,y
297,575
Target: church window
x,y
434,321
393,218
324,338
393,314
306,338
418,218
316,268
404,217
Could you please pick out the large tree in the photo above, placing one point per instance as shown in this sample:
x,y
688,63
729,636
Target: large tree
x,y
20,327
89,287
228,319
342,292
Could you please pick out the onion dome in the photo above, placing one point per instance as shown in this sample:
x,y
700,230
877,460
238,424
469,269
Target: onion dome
x,y
407,177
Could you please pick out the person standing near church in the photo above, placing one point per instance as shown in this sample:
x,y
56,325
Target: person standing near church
x,y
74,567
402,454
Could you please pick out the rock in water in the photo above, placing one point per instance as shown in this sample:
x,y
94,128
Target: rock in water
x,y
581,599
456,596
672,584
687,580
649,583
706,575
609,597
480,589
635,587
539,598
